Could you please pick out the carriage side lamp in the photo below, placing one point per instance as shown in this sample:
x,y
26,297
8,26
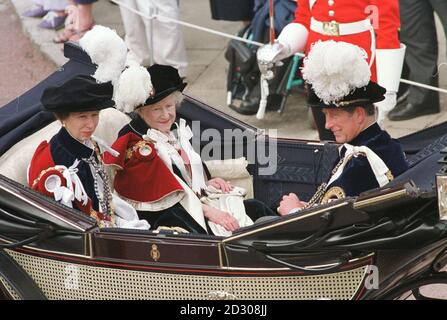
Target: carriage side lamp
x,y
441,187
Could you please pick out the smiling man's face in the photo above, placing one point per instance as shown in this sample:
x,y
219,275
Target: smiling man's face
x,y
344,125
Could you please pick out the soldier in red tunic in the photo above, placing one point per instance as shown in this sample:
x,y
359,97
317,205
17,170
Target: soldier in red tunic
x,y
370,24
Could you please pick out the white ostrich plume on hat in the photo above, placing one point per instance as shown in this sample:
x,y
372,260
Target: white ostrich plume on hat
x,y
133,88
335,69
106,49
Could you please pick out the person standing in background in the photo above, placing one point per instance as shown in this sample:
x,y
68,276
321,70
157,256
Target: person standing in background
x,y
166,37
370,24
52,13
418,32
78,22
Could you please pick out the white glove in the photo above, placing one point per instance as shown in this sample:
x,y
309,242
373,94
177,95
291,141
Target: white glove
x,y
126,216
389,64
385,106
270,55
293,38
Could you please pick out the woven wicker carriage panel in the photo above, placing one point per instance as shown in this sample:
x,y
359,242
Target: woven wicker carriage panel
x,y
62,280
334,286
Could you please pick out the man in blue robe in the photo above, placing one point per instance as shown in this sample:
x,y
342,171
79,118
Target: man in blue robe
x,y
369,157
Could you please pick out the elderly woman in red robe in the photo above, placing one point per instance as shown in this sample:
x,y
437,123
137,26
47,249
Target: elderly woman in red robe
x,y
159,173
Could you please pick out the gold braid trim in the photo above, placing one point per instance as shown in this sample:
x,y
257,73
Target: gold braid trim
x,y
333,193
389,175
97,150
42,173
140,144
36,181
175,229
103,223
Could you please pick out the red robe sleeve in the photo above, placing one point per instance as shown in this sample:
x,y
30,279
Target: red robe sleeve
x,y
143,177
42,175
41,160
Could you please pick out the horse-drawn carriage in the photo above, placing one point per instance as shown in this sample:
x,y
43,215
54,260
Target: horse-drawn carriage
x,y
379,245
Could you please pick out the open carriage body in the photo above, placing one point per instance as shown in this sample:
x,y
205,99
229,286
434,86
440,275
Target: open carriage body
x,y
376,246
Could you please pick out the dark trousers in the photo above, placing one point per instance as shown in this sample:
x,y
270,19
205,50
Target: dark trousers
x,y
177,216
85,1
418,33
256,209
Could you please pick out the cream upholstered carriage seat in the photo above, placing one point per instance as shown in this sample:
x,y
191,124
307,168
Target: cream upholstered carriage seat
x,y
14,163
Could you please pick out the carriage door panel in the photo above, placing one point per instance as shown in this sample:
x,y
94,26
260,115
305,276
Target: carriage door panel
x,y
301,166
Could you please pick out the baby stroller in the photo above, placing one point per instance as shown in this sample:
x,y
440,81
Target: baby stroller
x,y
243,78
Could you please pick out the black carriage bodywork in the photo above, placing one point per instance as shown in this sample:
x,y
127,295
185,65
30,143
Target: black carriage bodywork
x,y
372,247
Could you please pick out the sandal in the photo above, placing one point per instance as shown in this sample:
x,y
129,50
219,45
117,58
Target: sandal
x,y
70,25
79,34
64,36
52,20
36,11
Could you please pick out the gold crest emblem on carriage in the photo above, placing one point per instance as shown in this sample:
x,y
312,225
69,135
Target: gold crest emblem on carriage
x,y
155,254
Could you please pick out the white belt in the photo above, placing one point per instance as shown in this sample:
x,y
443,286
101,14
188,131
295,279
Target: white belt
x,y
334,28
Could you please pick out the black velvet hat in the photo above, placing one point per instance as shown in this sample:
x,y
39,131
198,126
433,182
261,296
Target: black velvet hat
x,y
363,96
165,80
79,94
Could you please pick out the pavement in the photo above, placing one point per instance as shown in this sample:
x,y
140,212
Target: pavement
x,y
21,63
207,70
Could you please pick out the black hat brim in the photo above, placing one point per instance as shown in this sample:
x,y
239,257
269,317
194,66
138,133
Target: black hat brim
x,y
161,95
75,108
79,94
364,96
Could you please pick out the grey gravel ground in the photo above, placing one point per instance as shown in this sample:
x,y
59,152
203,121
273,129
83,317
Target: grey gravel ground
x,y
22,65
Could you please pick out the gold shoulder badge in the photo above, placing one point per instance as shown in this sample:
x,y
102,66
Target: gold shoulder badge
x,y
142,147
389,175
145,150
333,193
155,254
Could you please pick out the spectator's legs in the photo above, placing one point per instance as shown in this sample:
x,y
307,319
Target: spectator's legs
x,y
36,11
53,5
85,17
79,21
135,32
419,34
169,47
440,7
